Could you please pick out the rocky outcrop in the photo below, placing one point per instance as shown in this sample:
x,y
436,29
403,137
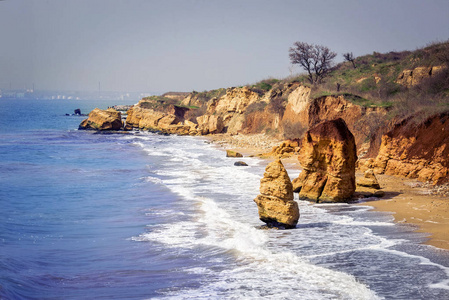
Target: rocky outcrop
x,y
298,105
414,77
210,124
230,153
175,95
192,100
275,202
171,121
360,120
328,157
416,150
228,110
285,149
369,180
99,119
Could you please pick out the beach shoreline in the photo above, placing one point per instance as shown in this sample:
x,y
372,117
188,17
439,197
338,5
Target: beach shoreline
x,y
410,201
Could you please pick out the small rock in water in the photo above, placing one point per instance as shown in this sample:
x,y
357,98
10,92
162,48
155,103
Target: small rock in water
x,y
240,163
275,201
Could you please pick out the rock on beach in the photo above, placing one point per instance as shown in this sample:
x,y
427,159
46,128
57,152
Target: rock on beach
x,y
275,202
328,156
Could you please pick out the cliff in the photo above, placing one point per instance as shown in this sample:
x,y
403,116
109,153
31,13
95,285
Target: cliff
x,y
372,96
168,118
417,150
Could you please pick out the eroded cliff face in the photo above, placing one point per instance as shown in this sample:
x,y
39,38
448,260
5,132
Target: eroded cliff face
x,y
171,120
360,120
416,150
414,77
192,100
327,156
298,103
232,106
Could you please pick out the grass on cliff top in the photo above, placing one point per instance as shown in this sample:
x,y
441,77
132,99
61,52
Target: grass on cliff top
x,y
208,95
157,102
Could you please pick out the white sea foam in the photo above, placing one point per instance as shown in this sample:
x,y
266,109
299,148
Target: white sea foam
x,y
268,263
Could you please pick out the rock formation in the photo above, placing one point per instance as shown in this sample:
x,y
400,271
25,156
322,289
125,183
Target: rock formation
x,y
417,150
359,119
170,120
230,153
228,111
210,124
240,164
327,156
298,105
98,119
275,202
285,149
414,77
369,180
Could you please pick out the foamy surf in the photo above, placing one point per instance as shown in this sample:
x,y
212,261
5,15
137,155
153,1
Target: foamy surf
x,y
317,260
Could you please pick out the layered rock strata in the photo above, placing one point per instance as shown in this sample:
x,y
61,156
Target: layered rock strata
x,y
275,202
327,156
99,119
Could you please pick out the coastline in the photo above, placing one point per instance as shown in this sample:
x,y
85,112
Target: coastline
x,y
413,204
410,201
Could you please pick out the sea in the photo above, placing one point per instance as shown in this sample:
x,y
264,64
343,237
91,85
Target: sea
x,y
139,215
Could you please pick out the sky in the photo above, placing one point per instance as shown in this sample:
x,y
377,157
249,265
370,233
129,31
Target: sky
x,y
185,45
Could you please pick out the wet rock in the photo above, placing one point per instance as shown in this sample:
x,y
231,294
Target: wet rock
x,y
240,164
275,202
98,119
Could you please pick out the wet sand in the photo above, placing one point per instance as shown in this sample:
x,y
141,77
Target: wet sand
x,y
407,199
412,204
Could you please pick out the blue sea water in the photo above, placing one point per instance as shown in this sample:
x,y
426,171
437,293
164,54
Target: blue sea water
x,y
147,216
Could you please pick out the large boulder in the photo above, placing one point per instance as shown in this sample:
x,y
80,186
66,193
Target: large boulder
x,y
275,202
99,119
327,156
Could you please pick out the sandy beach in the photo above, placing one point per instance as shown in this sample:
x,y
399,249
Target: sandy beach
x,y
411,202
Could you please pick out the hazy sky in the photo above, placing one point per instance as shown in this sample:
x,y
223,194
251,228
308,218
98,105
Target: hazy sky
x,y
175,45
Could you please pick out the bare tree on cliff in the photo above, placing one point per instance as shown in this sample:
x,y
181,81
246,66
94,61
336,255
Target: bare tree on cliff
x,y
350,57
315,59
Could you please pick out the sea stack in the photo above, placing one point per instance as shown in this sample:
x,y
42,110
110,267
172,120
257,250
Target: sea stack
x,y
99,119
275,202
327,156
